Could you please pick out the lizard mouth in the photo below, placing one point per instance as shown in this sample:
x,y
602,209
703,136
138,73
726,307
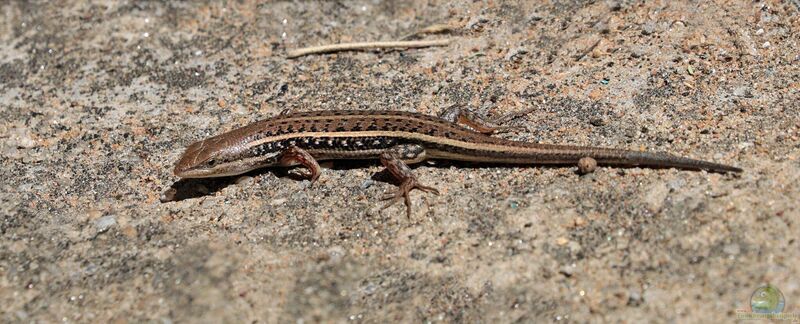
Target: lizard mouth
x,y
202,173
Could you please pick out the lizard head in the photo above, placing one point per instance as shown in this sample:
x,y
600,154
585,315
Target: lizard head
x,y
202,159
212,157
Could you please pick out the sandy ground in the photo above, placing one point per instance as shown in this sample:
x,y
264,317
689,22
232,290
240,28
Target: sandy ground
x,y
97,101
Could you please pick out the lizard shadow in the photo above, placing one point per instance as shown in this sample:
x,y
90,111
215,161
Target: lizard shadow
x,y
184,189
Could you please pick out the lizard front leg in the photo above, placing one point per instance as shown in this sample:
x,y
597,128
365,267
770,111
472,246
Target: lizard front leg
x,y
396,162
295,155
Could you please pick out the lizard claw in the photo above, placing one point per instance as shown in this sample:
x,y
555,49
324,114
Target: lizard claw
x,y
402,193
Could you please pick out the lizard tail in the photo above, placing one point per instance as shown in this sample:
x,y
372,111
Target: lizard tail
x,y
661,160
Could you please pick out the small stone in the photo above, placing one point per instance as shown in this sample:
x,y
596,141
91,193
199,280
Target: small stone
x,y
693,41
370,289
615,23
637,52
602,27
367,183
20,137
562,241
22,315
634,298
602,48
336,253
12,152
655,197
648,28
587,165
516,53
731,249
596,94
574,247
676,184
579,221
104,223
597,121
477,22
743,91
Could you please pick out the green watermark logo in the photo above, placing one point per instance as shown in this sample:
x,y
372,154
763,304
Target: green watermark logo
x,y
767,302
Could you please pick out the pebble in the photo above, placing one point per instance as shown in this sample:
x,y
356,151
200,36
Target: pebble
x,y
574,247
587,165
305,184
516,53
562,241
597,121
20,137
370,289
336,253
367,183
476,22
104,223
634,298
567,271
731,249
579,221
656,196
637,52
648,28
676,184
742,92
22,315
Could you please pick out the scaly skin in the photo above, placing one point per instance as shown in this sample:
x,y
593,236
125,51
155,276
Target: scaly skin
x,y
396,139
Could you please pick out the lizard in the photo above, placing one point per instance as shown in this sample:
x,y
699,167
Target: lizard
x,y
396,139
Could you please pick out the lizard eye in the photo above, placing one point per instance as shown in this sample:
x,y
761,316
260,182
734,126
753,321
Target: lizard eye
x,y
212,162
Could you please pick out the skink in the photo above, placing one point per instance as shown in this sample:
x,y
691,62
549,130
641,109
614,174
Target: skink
x,y
396,139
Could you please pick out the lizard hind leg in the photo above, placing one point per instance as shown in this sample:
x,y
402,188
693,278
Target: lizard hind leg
x,y
466,118
395,160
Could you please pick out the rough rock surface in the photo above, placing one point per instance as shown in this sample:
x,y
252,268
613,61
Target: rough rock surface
x,y
98,100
